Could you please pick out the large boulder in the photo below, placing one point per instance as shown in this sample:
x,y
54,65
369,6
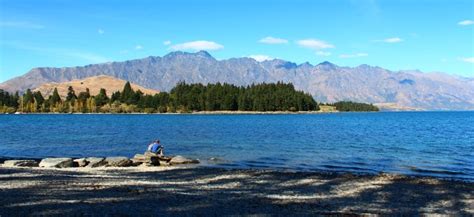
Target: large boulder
x,y
20,163
81,162
149,154
56,162
95,162
163,163
118,162
178,159
146,160
139,158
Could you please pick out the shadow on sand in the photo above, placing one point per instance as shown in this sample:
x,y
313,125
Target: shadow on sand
x,y
205,191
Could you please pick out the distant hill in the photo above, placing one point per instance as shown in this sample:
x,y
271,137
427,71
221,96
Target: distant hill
x,y
326,81
110,84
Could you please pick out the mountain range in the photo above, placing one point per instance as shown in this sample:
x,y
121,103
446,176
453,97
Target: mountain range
x,y
326,81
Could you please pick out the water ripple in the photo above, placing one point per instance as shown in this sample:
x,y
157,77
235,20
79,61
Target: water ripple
x,y
415,143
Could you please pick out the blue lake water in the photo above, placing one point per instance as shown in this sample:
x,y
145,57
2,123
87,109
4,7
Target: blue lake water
x,y
414,143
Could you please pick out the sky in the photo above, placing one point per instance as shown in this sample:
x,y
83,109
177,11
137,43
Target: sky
x,y
426,35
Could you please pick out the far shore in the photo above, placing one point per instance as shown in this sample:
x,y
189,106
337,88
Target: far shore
x,y
228,113
189,113
216,113
233,112
194,190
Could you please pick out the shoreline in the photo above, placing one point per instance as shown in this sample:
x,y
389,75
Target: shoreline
x,y
185,113
207,164
242,112
230,113
195,190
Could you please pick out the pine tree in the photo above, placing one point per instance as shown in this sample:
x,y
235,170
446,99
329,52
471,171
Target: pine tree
x,y
127,93
39,100
28,101
14,101
3,97
83,96
71,94
101,98
115,97
55,101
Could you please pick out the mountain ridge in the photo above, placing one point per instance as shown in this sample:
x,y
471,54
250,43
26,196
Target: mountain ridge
x,y
327,82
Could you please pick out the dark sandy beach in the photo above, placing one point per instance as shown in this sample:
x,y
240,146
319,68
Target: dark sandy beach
x,y
178,191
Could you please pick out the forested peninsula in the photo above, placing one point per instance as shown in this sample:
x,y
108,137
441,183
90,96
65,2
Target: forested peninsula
x,y
183,98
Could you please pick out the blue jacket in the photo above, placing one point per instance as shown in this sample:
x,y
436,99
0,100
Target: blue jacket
x,y
155,147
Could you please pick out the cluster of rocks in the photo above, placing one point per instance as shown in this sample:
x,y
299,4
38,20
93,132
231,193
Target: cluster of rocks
x,y
147,159
150,159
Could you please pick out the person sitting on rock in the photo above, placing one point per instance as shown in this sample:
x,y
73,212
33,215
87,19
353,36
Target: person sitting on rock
x,y
156,148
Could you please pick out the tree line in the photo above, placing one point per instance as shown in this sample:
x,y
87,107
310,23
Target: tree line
x,y
347,106
256,97
182,98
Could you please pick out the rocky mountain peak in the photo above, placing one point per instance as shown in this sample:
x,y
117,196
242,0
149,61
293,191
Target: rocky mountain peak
x,y
204,53
182,54
326,65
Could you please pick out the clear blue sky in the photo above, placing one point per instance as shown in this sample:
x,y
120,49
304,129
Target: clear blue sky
x,y
429,35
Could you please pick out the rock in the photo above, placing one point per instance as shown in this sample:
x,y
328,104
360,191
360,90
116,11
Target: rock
x,y
56,162
164,163
149,154
95,162
182,160
118,162
20,163
147,159
139,158
145,165
135,163
81,162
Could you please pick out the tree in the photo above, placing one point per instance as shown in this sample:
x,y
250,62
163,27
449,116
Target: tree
x,y
127,94
14,101
346,106
55,98
101,98
28,101
135,97
8,102
91,105
3,97
182,98
39,100
82,103
115,96
83,96
260,97
71,94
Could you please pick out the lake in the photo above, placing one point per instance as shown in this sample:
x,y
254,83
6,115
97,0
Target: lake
x,y
415,143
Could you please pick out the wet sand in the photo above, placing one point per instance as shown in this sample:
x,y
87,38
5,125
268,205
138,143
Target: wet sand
x,y
178,191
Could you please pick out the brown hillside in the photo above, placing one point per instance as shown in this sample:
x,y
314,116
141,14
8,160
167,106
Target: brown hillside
x,y
110,84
